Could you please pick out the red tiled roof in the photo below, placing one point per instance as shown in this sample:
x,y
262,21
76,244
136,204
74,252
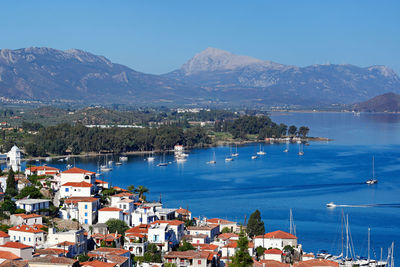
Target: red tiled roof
x,y
190,254
8,255
52,259
27,216
119,189
277,235
273,251
142,228
97,263
78,170
101,182
26,228
271,263
42,168
51,251
219,221
78,184
108,251
110,209
202,228
225,236
15,245
211,247
14,263
123,194
3,234
316,262
171,222
182,211
75,200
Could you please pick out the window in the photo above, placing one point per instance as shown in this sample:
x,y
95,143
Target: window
x,y
66,189
85,214
24,238
86,221
85,206
199,262
29,239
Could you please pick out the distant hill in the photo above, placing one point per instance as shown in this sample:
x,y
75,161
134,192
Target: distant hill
x,y
212,77
389,102
245,79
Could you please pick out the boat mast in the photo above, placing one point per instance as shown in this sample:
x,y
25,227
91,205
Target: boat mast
x,y
373,167
291,222
369,242
347,236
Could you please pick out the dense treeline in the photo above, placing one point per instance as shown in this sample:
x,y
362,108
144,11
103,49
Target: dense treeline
x,y
58,139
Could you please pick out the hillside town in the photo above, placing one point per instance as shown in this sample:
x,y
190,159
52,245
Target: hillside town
x,y
81,220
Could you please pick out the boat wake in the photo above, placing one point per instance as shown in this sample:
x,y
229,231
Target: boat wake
x,y
386,205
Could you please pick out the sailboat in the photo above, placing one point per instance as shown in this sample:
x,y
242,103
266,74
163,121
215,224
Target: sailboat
x,y
287,147
105,167
213,161
261,152
236,153
373,180
151,157
301,152
163,163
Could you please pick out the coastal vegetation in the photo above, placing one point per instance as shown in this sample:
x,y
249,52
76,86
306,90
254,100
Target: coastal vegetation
x,y
255,225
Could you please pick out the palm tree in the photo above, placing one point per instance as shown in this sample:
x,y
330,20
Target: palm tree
x,y
132,188
141,190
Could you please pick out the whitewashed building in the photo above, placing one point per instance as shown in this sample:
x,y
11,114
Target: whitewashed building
x,y
76,189
28,219
32,205
277,239
83,209
30,235
14,159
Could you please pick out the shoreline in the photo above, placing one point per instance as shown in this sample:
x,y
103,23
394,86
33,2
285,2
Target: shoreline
x,y
215,144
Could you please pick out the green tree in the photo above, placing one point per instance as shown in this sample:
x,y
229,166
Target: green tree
x,y
226,230
9,205
303,131
141,190
11,189
115,225
185,246
260,251
82,257
255,226
242,257
292,130
131,188
30,191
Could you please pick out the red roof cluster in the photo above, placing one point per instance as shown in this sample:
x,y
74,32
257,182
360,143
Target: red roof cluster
x,y
78,170
27,216
277,235
27,228
78,184
171,222
74,200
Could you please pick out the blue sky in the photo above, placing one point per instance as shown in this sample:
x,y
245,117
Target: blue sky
x,y
159,36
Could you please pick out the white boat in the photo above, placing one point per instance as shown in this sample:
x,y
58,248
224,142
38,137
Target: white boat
x,y
287,147
151,158
213,161
227,159
236,154
123,158
162,164
331,205
373,180
301,153
118,163
181,160
105,168
69,166
110,162
48,159
261,152
254,157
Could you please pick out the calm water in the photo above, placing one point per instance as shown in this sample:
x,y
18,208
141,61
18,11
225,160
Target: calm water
x,y
328,172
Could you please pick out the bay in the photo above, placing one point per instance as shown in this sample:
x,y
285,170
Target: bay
x,y
277,182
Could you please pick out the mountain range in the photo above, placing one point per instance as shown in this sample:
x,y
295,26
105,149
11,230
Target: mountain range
x,y
389,102
211,77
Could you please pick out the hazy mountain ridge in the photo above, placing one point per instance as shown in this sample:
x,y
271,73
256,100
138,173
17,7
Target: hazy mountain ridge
x,y
278,83
213,76
45,73
389,102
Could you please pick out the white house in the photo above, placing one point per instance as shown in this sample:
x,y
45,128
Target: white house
x,y
83,209
77,175
3,183
74,239
273,254
30,235
162,235
143,215
189,258
175,225
21,250
115,199
28,219
4,238
277,239
210,230
41,171
14,158
110,213
32,205
76,189
232,226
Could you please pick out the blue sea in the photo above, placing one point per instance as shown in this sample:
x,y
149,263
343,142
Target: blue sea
x,y
333,171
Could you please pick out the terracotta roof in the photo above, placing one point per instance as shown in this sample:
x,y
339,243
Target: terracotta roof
x,y
107,251
97,263
142,228
273,251
14,263
117,259
171,222
308,255
15,245
27,228
119,189
211,247
182,211
66,243
54,260
202,228
219,221
225,236
190,254
271,263
134,235
8,255
100,181
316,262
110,209
42,168
78,170
51,251
27,216
78,184
3,234
232,244
112,237
123,194
74,200
277,235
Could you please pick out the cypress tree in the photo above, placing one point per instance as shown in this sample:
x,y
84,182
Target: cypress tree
x,y
255,226
11,189
242,257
